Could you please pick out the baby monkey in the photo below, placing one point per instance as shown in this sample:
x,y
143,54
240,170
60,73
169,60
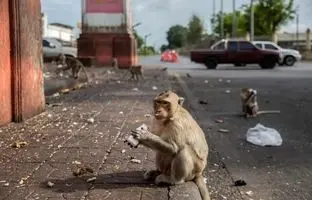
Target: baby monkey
x,y
250,107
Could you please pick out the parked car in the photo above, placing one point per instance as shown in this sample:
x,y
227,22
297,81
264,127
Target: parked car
x,y
288,56
237,52
169,56
52,48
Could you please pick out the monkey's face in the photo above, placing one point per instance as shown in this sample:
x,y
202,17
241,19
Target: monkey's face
x,y
245,92
161,109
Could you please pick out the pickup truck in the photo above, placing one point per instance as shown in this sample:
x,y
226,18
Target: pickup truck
x,y
237,52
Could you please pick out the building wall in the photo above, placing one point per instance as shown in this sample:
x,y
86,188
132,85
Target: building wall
x,y
49,30
60,33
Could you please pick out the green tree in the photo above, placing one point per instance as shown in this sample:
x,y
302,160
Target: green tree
x,y
195,30
269,15
163,47
227,23
149,50
139,39
176,36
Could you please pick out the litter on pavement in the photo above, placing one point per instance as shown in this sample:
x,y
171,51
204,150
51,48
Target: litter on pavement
x,y
264,136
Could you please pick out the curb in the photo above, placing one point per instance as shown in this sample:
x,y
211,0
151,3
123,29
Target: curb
x,y
194,107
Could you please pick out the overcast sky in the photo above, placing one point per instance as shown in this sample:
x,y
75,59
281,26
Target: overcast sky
x,y
157,16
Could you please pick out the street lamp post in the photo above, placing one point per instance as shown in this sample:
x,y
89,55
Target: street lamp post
x,y
252,20
234,19
145,42
213,16
136,25
222,21
297,27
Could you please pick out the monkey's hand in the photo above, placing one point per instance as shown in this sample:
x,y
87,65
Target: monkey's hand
x,y
141,135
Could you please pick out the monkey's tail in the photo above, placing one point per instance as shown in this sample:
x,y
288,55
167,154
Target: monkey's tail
x,y
203,190
268,112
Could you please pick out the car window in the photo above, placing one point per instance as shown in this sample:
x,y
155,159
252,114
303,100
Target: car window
x,y
220,46
246,46
270,46
45,43
258,45
232,46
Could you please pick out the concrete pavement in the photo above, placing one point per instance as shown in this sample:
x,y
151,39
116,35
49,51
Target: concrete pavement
x,y
271,173
64,134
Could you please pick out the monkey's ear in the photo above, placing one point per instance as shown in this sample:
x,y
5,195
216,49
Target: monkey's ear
x,y
181,101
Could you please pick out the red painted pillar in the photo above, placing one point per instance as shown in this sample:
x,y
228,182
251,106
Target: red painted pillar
x,y
106,33
26,59
5,65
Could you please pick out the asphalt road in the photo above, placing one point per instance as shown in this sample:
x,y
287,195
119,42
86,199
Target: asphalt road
x,y
271,173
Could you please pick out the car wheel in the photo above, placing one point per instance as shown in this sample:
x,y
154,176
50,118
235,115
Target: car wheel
x,y
211,63
268,63
289,60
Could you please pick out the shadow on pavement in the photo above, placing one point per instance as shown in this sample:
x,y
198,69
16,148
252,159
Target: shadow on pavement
x,y
103,181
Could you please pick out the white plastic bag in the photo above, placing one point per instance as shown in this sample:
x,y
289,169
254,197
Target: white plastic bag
x,y
264,136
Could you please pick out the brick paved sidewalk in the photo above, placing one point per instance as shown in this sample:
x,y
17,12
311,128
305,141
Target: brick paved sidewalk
x,y
63,135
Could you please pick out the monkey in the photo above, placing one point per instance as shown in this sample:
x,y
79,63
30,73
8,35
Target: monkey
x,y
136,72
115,63
70,63
250,107
179,142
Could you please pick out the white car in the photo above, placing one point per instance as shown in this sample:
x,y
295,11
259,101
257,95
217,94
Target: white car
x,y
288,56
52,48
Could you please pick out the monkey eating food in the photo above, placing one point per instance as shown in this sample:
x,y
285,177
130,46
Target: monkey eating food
x,y
72,63
250,107
179,142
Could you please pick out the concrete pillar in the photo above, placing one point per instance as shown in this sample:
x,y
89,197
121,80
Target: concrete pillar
x,y
308,40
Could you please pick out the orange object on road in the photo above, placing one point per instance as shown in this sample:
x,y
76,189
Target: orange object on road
x,y
169,56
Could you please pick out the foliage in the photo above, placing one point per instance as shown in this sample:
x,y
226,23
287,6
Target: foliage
x,y
227,23
139,39
269,15
176,36
195,30
147,51
164,47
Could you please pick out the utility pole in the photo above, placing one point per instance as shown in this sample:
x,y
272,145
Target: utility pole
x,y
297,27
145,42
213,16
234,19
222,22
252,20
213,24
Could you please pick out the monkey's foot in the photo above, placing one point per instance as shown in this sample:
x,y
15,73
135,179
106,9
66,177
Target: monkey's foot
x,y
162,179
151,175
